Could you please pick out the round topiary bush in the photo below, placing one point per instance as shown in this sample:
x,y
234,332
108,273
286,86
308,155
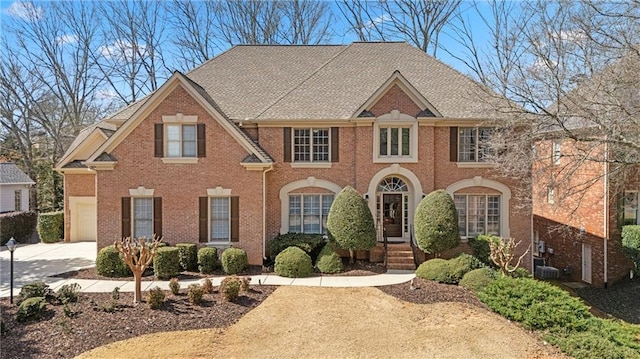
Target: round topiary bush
x,y
293,262
461,265
234,260
207,259
328,260
436,269
188,256
350,222
478,279
436,223
109,263
166,263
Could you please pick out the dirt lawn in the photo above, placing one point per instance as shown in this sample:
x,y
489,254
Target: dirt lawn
x,y
343,323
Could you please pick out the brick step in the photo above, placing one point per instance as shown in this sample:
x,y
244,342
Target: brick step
x,y
401,266
399,260
400,254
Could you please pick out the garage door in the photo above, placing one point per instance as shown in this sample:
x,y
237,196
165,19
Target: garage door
x,y
83,221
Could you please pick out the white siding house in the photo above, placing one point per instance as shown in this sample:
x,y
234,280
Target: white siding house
x,y
14,188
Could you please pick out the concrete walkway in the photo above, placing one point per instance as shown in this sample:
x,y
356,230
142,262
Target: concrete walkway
x,y
41,261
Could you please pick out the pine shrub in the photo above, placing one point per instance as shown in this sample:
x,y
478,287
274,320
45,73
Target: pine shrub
x,y
166,263
207,260
109,263
31,308
188,256
234,260
293,262
68,293
155,298
195,293
34,289
174,286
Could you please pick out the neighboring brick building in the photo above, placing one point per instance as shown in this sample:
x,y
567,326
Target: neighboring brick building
x,y
259,140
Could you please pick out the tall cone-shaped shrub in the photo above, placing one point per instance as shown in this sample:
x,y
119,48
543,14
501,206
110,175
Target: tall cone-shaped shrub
x,y
436,223
350,222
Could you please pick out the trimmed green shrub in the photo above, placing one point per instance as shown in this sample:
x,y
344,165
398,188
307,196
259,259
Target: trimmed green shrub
x,y
195,293
461,265
51,226
478,279
436,269
31,308
328,260
207,260
631,244
481,249
350,223
68,293
19,225
589,345
537,305
230,287
156,297
34,289
436,223
166,263
109,263
293,262
234,260
520,272
207,286
174,286
188,256
312,244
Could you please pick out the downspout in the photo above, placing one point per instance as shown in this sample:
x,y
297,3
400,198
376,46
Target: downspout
x,y
264,211
606,209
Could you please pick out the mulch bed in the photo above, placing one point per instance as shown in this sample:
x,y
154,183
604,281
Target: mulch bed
x,y
60,336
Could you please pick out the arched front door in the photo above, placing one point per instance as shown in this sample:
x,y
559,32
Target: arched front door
x,y
392,203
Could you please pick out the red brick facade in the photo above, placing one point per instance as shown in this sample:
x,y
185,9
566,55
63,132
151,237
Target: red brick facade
x,y
180,185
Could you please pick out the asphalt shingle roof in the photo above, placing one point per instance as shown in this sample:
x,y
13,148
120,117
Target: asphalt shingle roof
x,y
11,174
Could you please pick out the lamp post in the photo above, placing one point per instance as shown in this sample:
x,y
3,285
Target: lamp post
x,y
11,245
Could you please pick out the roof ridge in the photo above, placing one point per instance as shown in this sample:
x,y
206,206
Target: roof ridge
x,y
313,73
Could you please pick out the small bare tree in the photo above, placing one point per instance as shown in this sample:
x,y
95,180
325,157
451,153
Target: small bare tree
x,y
138,254
503,253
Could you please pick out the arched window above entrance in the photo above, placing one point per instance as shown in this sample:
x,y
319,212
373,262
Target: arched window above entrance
x,y
392,184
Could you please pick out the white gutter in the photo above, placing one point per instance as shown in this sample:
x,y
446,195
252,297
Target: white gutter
x,y
606,209
264,211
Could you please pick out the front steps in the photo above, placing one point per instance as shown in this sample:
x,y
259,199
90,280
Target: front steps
x,y
400,257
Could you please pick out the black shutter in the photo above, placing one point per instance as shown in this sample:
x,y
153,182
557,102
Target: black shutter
x,y
202,148
126,217
158,135
335,144
203,222
287,144
453,144
235,223
157,216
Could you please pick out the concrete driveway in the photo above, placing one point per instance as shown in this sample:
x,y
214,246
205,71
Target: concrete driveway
x,y
33,262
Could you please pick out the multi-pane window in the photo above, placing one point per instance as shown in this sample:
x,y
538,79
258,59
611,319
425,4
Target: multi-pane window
x,y
478,214
308,212
551,195
311,145
219,212
473,144
395,141
630,208
181,140
18,200
143,217
556,152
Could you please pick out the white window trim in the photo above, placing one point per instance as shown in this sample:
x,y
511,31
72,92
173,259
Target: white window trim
x,y
290,187
398,120
486,215
302,195
556,152
477,163
165,141
209,230
551,195
17,200
637,195
133,214
505,198
311,163
180,119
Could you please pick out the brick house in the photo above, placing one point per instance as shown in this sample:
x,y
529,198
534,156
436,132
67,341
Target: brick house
x,y
259,140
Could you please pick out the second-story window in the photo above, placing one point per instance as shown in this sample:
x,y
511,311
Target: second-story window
x,y
311,145
473,144
181,140
395,141
556,152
